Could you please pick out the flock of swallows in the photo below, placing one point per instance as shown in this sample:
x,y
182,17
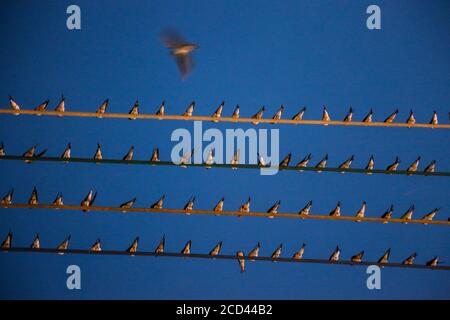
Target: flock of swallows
x,y
88,202
254,253
236,113
186,159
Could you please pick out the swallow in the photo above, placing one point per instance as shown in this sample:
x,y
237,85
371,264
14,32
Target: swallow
x,y
102,109
97,246
388,213
2,149
434,118
14,105
431,167
394,165
61,105
133,247
370,165
7,199
368,117
325,115
186,158
58,200
36,242
209,159
155,155
304,162
63,246
7,243
236,113
67,152
241,260
410,259
258,115
391,117
31,153
180,51
273,210
235,160
218,113
41,107
346,164
322,163
129,155
88,200
357,258
299,254
349,116
413,167
335,255
408,214
306,209
160,247
246,206
189,110
189,205
216,250
187,248
299,116
278,114
385,257
219,206
286,160
433,262
34,197
161,110
430,216
336,212
277,253
158,204
128,204
361,211
134,110
98,153
254,253
261,161
411,119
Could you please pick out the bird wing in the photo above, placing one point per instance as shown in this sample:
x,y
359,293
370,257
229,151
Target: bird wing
x,y
185,64
171,38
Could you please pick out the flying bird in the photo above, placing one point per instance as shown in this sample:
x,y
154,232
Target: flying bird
x,y
322,163
42,107
219,206
370,165
410,259
408,214
128,204
88,200
336,212
278,114
241,260
346,164
306,209
189,110
258,115
34,197
61,105
299,254
325,115
273,210
158,204
58,200
286,160
129,155
254,253
430,216
7,243
349,116
391,117
133,247
368,117
161,110
277,253
434,118
236,113
189,205
218,113
63,246
413,167
7,199
357,258
102,109
14,105
431,167
299,116
304,162
67,152
385,257
187,248
394,165
160,247
411,119
388,214
96,247
335,255
216,250
361,211
36,242
98,153
134,111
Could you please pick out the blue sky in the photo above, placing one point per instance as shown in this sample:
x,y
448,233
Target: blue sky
x,y
252,53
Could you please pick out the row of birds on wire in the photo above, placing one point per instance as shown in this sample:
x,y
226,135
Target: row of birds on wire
x,y
89,199
210,160
215,251
134,111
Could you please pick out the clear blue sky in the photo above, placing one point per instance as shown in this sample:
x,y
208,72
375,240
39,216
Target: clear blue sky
x,y
251,53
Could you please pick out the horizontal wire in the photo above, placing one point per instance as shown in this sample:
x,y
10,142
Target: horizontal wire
x,y
222,213
221,119
223,257
227,166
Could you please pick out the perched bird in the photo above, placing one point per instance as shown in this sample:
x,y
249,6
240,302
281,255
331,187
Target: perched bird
x,y
278,114
325,115
189,205
431,167
96,247
410,259
413,167
58,200
385,257
98,153
273,210
41,107
411,119
370,165
261,161
36,242
102,109
219,206
254,253
391,117
189,110
88,200
161,109
241,260
286,160
216,250
14,105
209,159
361,211
7,199
433,262
335,255
134,110
394,165
408,214
31,153
368,117
258,115
2,149
160,247
299,116
299,254
218,113
304,162
346,164
61,105
357,258
67,152
336,212
187,248
63,246
246,206
434,118
7,243
133,247
129,155
277,253
186,158
180,51
322,163
236,113
235,160
128,204
388,213
306,209
349,116
34,197
430,216
158,204
155,155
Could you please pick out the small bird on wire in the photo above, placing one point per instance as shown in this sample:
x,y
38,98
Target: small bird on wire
x,y
299,115
258,115
273,210
7,243
431,167
158,204
413,167
155,155
306,209
322,163
346,164
216,250
133,247
36,242
298,255
357,258
304,162
434,118
189,110
335,255
394,165
42,107
241,260
391,117
218,113
361,211
129,155
388,214
410,259
98,153
368,117
187,248
58,200
219,206
325,115
160,247
14,105
128,204
370,165
408,214
349,116
236,112
61,107
102,109
134,111
161,110
286,160
254,253
7,199
277,253
336,212
63,246
385,257
279,113
189,205
31,153
430,216
67,152
88,200
2,149
34,197
97,246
